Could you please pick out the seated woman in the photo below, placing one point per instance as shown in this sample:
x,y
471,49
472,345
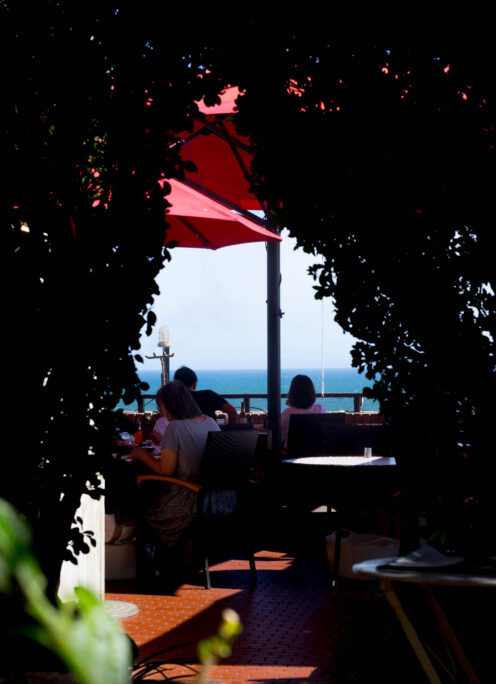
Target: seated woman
x,y
169,508
301,399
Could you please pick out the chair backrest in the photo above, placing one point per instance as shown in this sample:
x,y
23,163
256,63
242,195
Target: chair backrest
x,y
327,434
351,440
227,459
307,432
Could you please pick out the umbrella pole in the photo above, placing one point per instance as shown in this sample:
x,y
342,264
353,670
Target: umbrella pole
x,y
274,348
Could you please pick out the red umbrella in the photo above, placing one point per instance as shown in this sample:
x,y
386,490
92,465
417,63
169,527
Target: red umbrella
x,y
196,220
223,157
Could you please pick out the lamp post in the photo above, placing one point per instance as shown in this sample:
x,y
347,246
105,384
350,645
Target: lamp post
x,y
164,342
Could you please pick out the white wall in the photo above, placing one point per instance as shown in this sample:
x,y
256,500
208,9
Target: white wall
x,y
90,569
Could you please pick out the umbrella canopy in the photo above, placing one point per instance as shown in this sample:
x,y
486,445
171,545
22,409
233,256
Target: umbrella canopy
x,y
197,220
223,157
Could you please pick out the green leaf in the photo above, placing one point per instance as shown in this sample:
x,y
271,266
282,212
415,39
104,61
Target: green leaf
x,y
84,636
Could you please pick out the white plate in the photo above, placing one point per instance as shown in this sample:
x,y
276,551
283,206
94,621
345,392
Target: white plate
x,y
424,557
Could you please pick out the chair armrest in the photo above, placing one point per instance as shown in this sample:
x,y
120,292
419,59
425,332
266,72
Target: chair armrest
x,y
165,478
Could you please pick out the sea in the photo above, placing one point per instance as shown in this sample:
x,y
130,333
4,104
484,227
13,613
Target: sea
x,y
224,381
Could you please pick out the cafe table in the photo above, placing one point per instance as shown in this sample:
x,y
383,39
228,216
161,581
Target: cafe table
x,y
343,461
342,482
341,469
456,575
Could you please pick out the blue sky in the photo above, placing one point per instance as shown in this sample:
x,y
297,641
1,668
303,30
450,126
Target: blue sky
x,y
214,303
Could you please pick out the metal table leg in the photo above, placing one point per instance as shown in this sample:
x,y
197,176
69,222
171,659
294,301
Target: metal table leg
x,y
446,631
410,632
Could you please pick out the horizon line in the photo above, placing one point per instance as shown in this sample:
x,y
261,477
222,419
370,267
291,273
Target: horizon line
x,y
262,369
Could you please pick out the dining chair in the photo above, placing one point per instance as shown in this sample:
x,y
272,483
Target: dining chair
x,y
223,498
307,432
352,439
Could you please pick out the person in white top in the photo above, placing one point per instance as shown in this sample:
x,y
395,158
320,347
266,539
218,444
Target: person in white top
x,y
158,433
159,429
301,399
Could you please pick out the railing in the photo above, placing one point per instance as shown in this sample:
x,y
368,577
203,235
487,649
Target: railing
x,y
356,396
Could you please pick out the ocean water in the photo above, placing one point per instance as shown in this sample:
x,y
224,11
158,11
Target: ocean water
x,y
255,382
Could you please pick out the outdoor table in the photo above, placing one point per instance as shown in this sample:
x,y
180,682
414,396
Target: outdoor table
x,y
425,579
344,461
354,476
341,482
121,494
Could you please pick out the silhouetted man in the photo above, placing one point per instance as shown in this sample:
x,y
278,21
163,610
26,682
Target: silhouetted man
x,y
208,400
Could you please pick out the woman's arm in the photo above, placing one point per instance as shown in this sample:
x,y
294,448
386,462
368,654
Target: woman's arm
x,y
167,464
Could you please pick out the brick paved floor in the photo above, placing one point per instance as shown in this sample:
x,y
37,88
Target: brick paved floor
x,y
296,628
